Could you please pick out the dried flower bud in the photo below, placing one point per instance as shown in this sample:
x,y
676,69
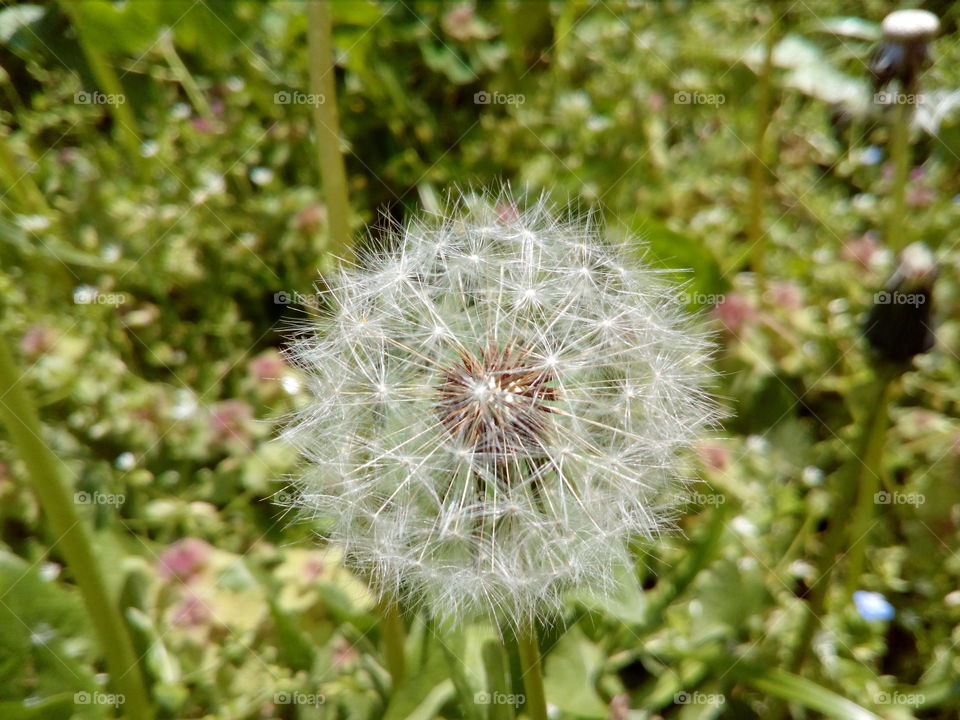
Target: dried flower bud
x,y
905,50
898,325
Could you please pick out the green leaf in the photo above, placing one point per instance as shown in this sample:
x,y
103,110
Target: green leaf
x,y
793,688
722,609
421,690
163,666
432,703
693,262
365,14
120,27
571,670
44,643
627,604
296,651
440,58
55,707
52,248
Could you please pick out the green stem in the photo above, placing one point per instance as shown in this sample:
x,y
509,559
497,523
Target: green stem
x,y
852,486
126,124
20,182
73,538
394,635
758,170
671,587
498,680
326,125
184,77
868,479
900,158
532,674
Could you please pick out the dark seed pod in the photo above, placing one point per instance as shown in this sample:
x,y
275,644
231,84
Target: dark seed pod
x,y
905,50
899,323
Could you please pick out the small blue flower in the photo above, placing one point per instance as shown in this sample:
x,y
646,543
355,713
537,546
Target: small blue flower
x,y
873,605
871,155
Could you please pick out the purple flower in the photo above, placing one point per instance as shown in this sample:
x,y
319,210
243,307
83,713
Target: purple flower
x,y
183,559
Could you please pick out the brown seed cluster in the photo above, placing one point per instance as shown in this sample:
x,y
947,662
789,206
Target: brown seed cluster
x,y
497,403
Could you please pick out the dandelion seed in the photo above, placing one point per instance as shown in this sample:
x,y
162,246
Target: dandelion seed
x,y
499,403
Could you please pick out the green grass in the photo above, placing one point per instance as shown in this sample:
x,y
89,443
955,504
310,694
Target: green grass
x,y
154,253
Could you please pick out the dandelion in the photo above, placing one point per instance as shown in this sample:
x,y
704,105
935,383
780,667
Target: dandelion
x,y
905,51
500,404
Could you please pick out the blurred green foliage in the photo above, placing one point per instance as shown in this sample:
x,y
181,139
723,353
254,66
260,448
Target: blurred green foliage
x,y
148,294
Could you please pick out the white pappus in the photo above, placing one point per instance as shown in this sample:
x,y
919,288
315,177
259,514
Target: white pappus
x,y
499,404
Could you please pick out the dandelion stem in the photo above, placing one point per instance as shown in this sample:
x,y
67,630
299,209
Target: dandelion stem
x,y
326,125
854,484
73,538
900,158
532,674
498,680
394,636
869,475
758,169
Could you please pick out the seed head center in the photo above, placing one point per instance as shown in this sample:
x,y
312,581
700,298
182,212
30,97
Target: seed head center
x,y
497,401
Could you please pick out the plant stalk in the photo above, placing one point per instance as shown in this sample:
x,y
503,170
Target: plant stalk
x,y
532,673
184,77
868,483
73,538
498,680
326,125
854,483
758,169
394,635
900,159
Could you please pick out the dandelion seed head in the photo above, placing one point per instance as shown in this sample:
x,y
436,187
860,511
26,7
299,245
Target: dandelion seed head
x,y
500,403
